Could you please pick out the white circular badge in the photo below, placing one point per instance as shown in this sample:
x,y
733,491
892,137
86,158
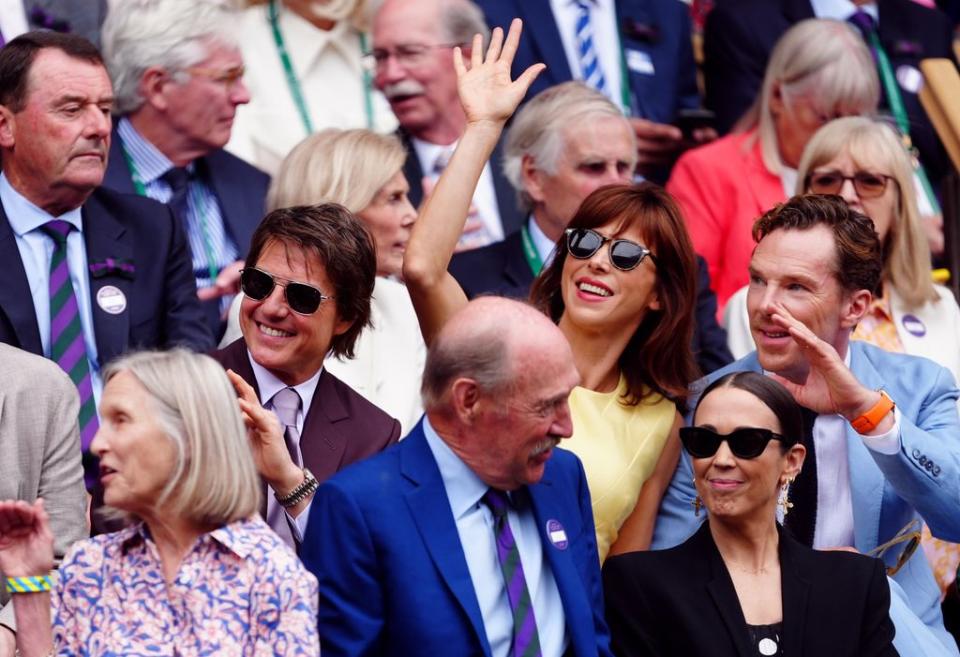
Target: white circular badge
x,y
111,300
767,647
910,78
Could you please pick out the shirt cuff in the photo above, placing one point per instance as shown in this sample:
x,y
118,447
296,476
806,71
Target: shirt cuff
x,y
298,525
888,443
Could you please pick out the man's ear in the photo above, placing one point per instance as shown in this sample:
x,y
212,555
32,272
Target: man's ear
x,y
465,397
7,127
153,82
531,179
855,308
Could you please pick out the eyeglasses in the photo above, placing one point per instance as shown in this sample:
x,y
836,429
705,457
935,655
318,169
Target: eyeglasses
x,y
867,185
745,443
409,55
226,77
910,534
625,255
303,299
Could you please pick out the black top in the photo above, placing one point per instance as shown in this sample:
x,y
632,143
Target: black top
x,y
766,638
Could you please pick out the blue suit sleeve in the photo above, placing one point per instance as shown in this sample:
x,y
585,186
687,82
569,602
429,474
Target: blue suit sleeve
x,y
595,585
676,521
338,549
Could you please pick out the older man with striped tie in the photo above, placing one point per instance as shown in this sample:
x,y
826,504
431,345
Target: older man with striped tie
x,y
473,535
87,274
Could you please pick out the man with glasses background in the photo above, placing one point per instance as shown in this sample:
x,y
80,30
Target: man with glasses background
x,y
883,443
177,75
413,67
307,283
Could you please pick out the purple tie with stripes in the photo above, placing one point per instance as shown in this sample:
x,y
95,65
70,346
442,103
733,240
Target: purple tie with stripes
x,y
67,347
526,639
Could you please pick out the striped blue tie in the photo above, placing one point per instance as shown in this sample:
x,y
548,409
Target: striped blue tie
x,y
589,63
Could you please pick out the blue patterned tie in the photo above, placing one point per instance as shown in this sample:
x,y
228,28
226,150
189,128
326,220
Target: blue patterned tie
x,y
589,62
526,639
67,348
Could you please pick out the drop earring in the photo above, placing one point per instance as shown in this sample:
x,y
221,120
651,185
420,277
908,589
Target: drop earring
x,y
784,499
697,502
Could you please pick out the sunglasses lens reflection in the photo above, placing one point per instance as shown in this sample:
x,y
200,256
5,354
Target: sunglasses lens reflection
x,y
583,243
303,299
256,284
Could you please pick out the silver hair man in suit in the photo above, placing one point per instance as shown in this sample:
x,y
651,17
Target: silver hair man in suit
x,y
40,453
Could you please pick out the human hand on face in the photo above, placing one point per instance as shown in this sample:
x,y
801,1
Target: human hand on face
x,y
487,93
26,542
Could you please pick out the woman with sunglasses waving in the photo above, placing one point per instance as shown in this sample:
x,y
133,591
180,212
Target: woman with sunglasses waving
x,y
623,298
741,586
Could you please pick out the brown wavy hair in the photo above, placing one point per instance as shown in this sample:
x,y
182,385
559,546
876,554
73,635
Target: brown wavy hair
x,y
658,359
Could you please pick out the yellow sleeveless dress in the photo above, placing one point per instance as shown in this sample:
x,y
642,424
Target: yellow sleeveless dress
x,y
619,446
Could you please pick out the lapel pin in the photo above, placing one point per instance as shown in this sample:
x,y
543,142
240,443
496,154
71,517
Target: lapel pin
x,y
914,326
111,300
556,534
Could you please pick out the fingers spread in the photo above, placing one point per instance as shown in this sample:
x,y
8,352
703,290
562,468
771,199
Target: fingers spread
x,y
513,41
496,42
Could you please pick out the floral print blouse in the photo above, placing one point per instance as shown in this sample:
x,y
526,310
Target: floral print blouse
x,y
240,591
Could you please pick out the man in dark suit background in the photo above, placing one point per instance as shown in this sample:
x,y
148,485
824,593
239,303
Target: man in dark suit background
x,y
740,34
474,535
177,78
566,142
80,17
642,51
307,284
89,274
412,43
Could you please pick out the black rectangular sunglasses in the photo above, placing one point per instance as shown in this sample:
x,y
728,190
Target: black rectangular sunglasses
x,y
302,298
745,443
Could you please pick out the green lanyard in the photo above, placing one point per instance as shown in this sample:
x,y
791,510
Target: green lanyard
x,y
890,86
141,190
530,252
296,91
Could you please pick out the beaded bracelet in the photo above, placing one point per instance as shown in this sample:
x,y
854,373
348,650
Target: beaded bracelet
x,y
29,584
298,494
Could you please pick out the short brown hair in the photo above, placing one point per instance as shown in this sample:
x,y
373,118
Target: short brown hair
x,y
658,359
16,60
859,259
345,250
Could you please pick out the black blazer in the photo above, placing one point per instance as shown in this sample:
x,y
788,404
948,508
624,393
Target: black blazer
x,y
681,601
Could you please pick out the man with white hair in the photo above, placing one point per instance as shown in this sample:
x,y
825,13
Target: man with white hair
x,y
177,76
413,67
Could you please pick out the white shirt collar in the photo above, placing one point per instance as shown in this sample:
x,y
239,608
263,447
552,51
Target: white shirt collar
x,y
543,244
464,488
269,384
841,10
25,217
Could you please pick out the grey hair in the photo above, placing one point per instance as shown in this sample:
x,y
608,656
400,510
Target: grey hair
x,y
170,34
538,130
461,19
823,57
214,480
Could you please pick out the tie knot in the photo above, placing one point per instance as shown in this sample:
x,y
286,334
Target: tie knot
x,y
286,403
58,230
177,178
863,22
443,159
497,501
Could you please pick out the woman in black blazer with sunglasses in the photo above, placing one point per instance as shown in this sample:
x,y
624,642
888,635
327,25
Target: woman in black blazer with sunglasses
x,y
741,586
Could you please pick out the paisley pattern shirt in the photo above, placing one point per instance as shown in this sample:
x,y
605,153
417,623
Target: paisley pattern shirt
x,y
239,591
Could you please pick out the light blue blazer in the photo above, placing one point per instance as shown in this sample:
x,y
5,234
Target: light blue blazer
x,y
923,480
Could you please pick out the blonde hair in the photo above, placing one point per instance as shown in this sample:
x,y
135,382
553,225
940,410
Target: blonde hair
x,y
214,480
336,166
875,146
824,58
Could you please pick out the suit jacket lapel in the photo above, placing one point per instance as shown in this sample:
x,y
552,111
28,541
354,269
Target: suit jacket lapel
x,y
233,205
767,188
795,592
117,175
724,595
322,441
411,169
516,269
510,216
103,236
547,37
16,302
430,508
797,10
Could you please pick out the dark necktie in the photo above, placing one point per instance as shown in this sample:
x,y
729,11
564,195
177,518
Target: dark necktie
x,y
179,180
67,347
802,519
526,639
867,26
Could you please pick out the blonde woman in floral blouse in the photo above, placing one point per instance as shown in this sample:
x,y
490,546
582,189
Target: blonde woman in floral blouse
x,y
199,572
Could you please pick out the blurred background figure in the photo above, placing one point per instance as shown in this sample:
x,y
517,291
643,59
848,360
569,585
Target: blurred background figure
x,y
305,73
362,171
80,17
413,67
178,81
819,70
566,142
175,457
746,448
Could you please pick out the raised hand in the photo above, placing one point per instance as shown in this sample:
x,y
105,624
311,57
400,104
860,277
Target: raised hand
x,y
26,542
487,93
830,386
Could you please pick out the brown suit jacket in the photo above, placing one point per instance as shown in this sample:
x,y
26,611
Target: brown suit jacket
x,y
339,428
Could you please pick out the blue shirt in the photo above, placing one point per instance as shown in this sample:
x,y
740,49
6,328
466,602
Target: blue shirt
x,y
36,250
475,525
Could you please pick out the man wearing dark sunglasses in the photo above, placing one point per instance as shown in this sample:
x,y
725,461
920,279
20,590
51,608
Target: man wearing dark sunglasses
x,y
307,284
885,441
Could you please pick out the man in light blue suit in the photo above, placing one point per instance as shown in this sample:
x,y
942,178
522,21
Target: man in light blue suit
x,y
881,459
415,548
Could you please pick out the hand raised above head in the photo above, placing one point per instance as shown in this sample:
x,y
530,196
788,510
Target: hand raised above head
x,y
26,542
486,91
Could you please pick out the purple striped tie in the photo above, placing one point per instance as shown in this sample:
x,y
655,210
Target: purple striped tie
x,y
67,348
526,639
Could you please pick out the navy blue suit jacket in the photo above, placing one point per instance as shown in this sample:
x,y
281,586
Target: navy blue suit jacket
x,y
659,29
162,307
502,269
740,34
394,580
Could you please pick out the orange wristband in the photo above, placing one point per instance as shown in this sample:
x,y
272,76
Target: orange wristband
x,y
869,420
